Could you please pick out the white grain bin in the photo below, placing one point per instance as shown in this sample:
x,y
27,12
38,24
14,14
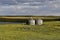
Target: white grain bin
x,y
39,21
31,22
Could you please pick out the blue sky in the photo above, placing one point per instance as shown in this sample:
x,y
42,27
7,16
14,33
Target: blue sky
x,y
30,7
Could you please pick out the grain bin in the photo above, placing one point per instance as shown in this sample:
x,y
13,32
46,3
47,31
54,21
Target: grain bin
x,y
31,22
39,21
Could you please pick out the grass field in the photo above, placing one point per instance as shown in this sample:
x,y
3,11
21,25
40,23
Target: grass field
x,y
28,17
48,31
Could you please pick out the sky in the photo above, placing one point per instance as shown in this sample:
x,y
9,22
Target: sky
x,y
30,7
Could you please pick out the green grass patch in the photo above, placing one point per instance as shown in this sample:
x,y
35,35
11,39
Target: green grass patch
x,y
47,31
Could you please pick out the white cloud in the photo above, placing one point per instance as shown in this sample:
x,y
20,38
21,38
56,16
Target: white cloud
x,y
32,8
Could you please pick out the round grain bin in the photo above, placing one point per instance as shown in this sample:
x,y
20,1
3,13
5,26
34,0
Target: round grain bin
x,y
31,22
39,21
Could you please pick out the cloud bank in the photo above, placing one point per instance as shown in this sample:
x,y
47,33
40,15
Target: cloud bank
x,y
30,7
